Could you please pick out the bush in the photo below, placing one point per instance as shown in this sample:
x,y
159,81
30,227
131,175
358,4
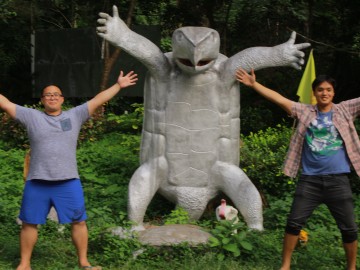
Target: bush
x,y
129,122
261,157
12,183
106,167
255,118
276,212
12,134
178,216
230,239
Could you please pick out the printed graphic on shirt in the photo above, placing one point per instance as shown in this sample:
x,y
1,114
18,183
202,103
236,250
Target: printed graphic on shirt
x,y
322,136
66,124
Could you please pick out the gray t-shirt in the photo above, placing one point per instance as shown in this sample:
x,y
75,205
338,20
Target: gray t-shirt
x,y
53,141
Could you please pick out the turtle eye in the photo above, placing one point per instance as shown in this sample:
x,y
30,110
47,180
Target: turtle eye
x,y
185,62
203,62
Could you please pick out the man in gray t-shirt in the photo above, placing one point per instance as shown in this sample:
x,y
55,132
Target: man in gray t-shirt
x,y
53,140
53,171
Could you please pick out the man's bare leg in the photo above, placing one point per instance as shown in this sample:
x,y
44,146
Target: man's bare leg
x,y
28,238
79,235
351,253
289,245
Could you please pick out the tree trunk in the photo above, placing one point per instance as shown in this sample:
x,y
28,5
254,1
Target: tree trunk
x,y
110,60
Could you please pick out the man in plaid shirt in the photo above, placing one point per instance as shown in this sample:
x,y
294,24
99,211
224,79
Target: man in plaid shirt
x,y
325,145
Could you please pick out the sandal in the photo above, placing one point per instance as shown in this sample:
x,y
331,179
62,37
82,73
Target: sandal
x,y
91,267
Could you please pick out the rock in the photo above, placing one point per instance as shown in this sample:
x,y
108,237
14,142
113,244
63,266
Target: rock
x,y
174,234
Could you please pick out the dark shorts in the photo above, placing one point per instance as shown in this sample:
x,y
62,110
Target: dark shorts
x,y
65,196
332,190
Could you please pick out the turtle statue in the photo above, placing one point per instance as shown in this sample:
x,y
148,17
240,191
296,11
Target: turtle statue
x,y
190,136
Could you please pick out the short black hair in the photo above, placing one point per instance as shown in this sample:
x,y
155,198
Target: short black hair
x,y
323,78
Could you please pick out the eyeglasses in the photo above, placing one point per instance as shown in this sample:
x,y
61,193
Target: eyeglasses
x,y
52,95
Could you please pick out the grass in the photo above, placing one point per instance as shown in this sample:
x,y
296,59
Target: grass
x,y
54,251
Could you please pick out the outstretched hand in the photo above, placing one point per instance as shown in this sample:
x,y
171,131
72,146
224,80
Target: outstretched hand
x,y
245,78
292,53
112,28
127,80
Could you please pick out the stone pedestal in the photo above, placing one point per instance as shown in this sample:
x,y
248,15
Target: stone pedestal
x,y
168,235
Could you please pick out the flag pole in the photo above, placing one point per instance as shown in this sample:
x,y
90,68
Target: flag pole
x,y
304,91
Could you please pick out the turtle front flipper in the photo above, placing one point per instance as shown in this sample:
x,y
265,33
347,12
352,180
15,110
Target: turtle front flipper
x,y
143,185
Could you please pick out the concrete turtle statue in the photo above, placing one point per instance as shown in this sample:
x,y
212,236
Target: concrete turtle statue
x,y
190,136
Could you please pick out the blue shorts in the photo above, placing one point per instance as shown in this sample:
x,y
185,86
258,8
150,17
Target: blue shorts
x,y
66,196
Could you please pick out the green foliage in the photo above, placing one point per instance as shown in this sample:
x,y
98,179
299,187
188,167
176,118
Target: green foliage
x,y
11,183
276,210
127,122
110,248
356,40
267,248
254,119
5,11
229,240
92,129
165,257
165,44
261,157
106,166
12,134
178,216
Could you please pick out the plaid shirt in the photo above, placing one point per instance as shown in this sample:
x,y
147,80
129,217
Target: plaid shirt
x,y
344,115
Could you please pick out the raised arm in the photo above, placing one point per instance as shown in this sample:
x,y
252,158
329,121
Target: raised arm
x,y
285,54
106,95
114,30
250,80
7,106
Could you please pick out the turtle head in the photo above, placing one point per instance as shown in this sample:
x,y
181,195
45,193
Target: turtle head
x,y
195,49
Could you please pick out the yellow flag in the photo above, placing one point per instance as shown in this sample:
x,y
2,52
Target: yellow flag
x,y
305,91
